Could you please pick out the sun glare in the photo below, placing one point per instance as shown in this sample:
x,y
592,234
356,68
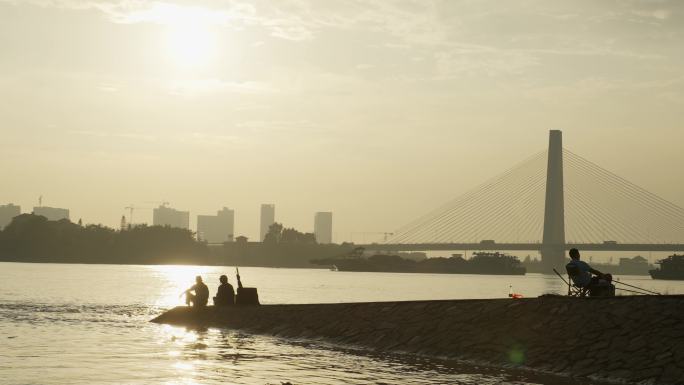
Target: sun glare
x,y
192,33
176,279
191,45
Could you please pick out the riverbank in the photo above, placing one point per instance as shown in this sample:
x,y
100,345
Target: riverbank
x,y
630,339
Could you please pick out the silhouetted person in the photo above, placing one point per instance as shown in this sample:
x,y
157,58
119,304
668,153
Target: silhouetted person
x,y
225,295
201,295
583,274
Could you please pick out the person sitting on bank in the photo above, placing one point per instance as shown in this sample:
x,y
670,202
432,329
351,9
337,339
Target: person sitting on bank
x,y
201,295
583,277
225,295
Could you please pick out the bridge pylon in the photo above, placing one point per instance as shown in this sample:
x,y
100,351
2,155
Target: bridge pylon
x,y
553,241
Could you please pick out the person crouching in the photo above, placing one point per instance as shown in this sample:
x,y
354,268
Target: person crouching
x,y
201,295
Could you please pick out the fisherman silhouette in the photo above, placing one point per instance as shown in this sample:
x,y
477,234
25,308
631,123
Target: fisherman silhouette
x,y
201,295
225,295
598,285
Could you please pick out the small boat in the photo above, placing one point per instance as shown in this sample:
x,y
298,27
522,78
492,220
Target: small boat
x,y
334,268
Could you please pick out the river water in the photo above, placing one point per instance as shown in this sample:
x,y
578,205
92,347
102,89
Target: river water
x,y
88,324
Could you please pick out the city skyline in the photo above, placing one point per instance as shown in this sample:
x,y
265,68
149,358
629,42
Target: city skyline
x,y
165,214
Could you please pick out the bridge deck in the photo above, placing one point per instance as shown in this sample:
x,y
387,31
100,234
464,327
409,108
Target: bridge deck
x,y
674,247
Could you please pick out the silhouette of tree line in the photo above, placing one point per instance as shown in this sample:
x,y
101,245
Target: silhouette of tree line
x,y
277,234
33,238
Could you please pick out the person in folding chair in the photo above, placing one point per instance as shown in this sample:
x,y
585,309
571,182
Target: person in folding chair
x,y
580,273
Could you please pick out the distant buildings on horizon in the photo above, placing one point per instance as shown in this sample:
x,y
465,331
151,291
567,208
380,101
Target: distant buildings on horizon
x,y
266,220
323,227
217,228
167,216
7,212
51,213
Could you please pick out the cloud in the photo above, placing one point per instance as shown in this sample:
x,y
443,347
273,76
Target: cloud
x,y
194,87
206,140
281,24
416,22
110,134
289,31
166,14
108,87
452,38
280,126
658,14
196,138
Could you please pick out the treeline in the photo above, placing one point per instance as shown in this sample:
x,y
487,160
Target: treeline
x,y
292,255
33,238
278,234
282,247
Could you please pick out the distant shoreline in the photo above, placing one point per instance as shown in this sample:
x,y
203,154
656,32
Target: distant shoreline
x,y
2,260
297,262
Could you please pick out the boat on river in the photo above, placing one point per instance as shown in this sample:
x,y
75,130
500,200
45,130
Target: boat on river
x,y
480,263
671,268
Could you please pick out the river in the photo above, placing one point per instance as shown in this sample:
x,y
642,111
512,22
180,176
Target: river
x,y
88,324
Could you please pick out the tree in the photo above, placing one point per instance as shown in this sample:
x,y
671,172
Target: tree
x,y
274,233
278,234
34,238
291,235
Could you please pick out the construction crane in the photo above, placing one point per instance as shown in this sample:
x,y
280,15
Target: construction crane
x,y
162,204
131,208
364,233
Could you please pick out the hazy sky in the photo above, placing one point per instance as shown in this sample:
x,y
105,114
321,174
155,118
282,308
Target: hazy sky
x,y
376,110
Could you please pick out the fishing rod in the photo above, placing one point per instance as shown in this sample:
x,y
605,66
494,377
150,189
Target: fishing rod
x,y
560,276
566,282
237,274
637,287
631,291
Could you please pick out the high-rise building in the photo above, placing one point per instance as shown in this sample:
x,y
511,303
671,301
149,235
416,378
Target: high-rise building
x,y
51,213
7,213
167,216
216,228
267,219
323,227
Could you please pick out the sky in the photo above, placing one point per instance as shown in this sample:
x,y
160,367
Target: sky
x,y
378,111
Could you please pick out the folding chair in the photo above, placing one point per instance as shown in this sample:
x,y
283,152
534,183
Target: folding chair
x,y
574,290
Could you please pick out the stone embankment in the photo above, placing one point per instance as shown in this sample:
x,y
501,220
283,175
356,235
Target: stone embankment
x,y
635,339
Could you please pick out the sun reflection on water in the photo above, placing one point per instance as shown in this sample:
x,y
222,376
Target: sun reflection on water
x,y
176,279
184,366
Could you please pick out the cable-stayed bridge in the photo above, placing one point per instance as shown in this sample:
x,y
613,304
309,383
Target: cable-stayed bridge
x,y
551,201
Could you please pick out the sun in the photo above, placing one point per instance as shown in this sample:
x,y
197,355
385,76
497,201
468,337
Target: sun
x,y
191,44
191,38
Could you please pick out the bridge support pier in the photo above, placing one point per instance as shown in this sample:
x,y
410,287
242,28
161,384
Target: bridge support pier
x,y
553,241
